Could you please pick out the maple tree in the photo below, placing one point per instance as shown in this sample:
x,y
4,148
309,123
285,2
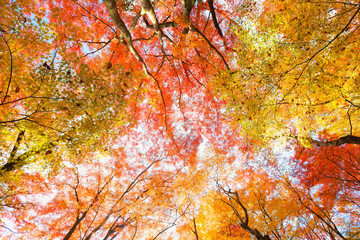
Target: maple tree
x,y
334,173
255,204
108,210
297,84
46,104
184,119
297,72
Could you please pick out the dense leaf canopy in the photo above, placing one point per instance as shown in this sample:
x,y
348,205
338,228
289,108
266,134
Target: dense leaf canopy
x,y
179,119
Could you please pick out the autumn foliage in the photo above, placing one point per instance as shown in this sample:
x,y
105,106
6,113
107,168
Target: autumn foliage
x,y
182,119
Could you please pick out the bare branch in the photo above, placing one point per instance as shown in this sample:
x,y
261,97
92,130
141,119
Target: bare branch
x,y
211,45
349,139
16,145
11,68
213,16
161,25
134,22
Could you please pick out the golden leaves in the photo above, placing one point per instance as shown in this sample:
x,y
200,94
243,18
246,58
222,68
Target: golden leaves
x,y
287,78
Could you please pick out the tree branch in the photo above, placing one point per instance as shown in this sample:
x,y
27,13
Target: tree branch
x,y
16,145
134,22
124,32
11,69
349,139
308,61
211,45
213,16
161,25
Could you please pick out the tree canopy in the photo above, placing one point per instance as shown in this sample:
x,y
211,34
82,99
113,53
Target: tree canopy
x,y
179,119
